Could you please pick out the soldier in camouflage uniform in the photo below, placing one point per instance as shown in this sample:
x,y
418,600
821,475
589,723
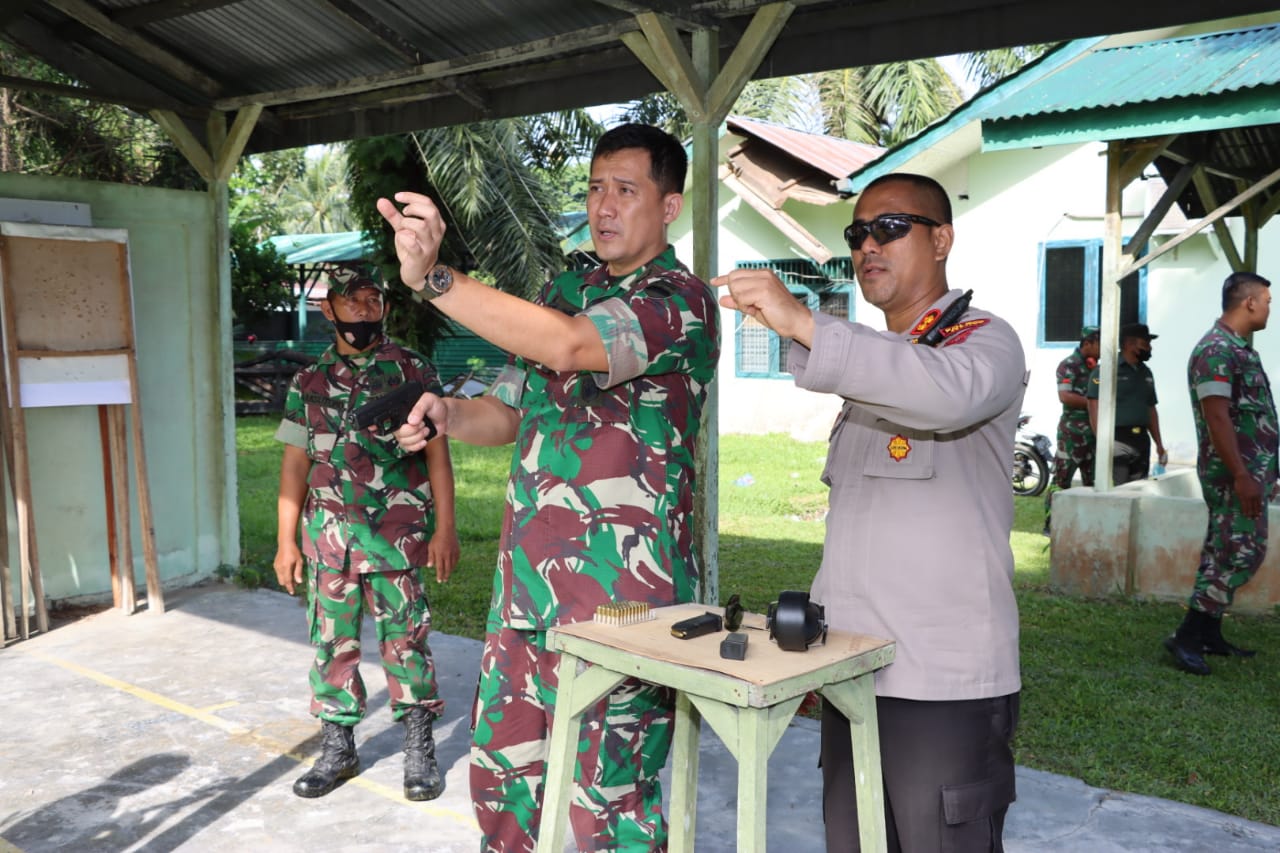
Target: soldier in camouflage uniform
x,y
602,399
1075,444
372,517
1239,439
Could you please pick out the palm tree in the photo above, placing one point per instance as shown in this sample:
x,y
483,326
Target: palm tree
x,y
991,66
317,203
878,105
885,104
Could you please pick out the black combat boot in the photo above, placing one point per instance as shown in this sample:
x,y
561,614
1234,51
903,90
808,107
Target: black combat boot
x,y
1214,644
1187,643
421,774
337,761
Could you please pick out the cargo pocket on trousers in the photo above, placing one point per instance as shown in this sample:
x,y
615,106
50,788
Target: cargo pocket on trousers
x,y
974,803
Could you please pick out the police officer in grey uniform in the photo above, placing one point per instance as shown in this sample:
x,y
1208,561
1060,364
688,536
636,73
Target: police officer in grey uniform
x,y
917,545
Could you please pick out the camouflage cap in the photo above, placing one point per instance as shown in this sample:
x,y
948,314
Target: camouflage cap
x,y
1087,332
346,280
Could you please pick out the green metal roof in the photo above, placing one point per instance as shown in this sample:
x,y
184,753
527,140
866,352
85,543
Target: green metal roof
x,y
1179,85
972,110
322,248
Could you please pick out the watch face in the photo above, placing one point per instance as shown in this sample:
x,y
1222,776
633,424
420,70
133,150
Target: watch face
x,y
441,279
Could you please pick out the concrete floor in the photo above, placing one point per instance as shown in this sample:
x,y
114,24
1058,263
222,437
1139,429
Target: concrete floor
x,y
185,732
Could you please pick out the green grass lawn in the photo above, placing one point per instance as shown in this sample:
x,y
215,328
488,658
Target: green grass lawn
x,y
1101,700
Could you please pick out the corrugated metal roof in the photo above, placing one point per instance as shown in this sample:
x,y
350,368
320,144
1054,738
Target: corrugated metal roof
x,y
322,248
1193,66
334,71
971,111
832,155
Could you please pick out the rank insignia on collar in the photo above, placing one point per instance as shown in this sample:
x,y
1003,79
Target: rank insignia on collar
x,y
898,447
927,321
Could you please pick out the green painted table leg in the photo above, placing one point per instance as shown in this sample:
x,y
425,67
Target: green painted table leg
x,y
684,776
856,699
754,746
576,692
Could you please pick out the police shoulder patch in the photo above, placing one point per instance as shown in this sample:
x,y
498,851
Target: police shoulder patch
x,y
959,332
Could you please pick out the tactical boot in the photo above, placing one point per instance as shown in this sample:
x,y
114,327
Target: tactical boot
x,y
421,774
1186,644
337,761
1214,644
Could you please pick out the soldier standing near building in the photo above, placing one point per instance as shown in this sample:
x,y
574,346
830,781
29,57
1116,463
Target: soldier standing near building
x,y
602,398
1075,446
1239,440
367,509
1137,421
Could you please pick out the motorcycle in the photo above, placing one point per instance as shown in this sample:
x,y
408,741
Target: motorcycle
x,y
1032,453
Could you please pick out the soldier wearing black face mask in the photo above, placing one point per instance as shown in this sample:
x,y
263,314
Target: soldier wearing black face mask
x,y
1137,422
360,521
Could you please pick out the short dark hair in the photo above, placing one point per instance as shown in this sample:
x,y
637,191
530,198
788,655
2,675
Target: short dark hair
x,y
668,164
1239,286
928,185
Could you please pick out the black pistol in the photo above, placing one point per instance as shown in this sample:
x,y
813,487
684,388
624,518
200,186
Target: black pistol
x,y
392,409
933,335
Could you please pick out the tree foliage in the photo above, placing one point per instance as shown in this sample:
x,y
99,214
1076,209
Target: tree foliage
x,y
260,279
991,66
878,105
317,200
256,187
54,135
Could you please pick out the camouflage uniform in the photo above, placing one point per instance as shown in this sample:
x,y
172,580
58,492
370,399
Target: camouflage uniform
x,y
1075,436
599,509
1223,364
366,530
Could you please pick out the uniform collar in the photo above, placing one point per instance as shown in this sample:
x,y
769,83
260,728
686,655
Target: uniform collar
x,y
1236,339
599,277
930,315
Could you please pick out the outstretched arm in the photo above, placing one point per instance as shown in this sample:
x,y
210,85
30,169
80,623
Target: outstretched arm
x,y
538,333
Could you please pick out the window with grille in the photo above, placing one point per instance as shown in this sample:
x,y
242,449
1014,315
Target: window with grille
x,y
1071,291
760,353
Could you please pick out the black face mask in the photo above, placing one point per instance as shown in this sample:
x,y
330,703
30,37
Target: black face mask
x,y
360,335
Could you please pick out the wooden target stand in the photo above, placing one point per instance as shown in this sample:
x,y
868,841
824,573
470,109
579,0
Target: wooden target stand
x,y
65,294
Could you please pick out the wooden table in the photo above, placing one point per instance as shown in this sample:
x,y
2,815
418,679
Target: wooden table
x,y
748,703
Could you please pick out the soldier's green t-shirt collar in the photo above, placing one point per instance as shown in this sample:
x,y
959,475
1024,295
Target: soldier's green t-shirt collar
x,y
600,275
1230,333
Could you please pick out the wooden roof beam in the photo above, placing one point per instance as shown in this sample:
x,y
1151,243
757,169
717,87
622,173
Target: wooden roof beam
x,y
140,47
677,12
164,10
1161,208
1207,198
659,48
1218,213
59,90
1143,154
352,14
539,49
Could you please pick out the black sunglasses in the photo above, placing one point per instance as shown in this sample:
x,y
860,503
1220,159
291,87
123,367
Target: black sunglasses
x,y
886,228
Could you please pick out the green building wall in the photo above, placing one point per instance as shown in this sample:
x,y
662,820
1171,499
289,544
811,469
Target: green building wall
x,y
184,378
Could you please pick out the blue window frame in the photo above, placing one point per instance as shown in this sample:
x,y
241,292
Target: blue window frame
x,y
762,354
1071,291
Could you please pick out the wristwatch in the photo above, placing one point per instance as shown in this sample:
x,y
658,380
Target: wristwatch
x,y
439,280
